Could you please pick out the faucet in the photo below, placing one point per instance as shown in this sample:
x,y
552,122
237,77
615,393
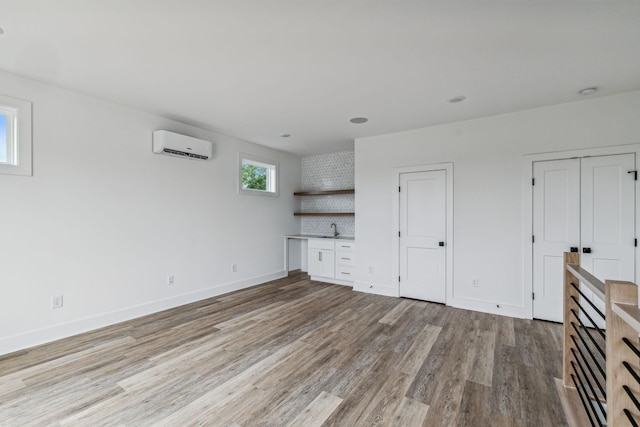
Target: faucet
x,y
335,229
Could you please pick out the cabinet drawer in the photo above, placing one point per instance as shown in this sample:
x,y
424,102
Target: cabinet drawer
x,y
321,244
345,246
346,258
344,272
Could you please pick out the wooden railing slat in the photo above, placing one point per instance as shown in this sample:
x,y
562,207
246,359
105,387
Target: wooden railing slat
x,y
589,280
630,313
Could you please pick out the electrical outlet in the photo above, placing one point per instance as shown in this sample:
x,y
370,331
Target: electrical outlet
x,y
57,301
234,268
474,282
171,279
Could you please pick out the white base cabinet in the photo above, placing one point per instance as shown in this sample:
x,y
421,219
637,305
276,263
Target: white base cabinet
x,y
321,258
332,261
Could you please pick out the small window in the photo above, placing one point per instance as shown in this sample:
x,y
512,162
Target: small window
x,y
15,136
257,176
5,135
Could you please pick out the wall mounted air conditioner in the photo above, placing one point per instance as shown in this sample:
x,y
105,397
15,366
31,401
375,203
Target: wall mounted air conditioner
x,y
174,144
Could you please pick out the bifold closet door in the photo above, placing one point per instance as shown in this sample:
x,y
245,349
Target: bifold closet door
x,y
556,229
608,218
587,205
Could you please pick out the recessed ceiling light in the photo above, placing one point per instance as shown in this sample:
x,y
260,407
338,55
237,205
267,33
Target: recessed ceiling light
x,y
588,91
285,135
359,120
456,99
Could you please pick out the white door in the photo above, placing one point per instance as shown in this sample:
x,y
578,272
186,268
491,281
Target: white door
x,y
608,200
423,235
608,216
556,229
596,194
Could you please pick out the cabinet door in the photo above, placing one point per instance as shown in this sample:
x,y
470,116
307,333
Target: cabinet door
x,y
328,263
321,262
315,262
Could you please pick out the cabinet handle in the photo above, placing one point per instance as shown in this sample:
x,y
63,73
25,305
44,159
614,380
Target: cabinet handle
x,y
345,246
342,272
348,259
319,256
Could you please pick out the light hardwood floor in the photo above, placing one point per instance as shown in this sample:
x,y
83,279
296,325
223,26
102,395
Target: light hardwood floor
x,y
293,352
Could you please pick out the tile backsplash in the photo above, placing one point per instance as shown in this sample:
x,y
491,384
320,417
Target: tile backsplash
x,y
333,171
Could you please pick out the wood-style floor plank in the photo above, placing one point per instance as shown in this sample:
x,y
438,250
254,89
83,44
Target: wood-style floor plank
x,y
409,413
481,370
293,352
396,313
315,414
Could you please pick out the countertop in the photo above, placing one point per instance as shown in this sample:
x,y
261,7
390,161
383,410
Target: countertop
x,y
318,236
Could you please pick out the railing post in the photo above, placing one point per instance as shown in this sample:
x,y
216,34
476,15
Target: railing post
x,y
618,352
569,258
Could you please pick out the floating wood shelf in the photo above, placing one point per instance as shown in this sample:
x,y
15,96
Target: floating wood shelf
x,y
324,193
324,213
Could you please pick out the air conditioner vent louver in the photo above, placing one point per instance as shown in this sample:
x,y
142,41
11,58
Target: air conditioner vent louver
x,y
183,154
174,144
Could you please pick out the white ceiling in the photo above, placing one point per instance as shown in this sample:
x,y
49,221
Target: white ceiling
x,y
257,69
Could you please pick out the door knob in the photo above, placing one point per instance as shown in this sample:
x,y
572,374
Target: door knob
x,y
574,249
586,250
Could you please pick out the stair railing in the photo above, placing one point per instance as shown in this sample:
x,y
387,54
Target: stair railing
x,y
601,361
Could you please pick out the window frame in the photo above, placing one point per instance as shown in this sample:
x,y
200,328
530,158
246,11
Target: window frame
x,y
19,144
273,175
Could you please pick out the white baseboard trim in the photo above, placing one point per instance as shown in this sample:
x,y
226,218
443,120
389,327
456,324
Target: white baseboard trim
x,y
490,307
332,281
481,306
41,336
375,289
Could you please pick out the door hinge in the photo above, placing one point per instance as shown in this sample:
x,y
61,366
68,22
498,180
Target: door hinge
x,y
635,242
398,278
635,175
533,181
533,295
533,239
398,234
398,189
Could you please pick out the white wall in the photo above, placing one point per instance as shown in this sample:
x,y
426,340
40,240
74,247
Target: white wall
x,y
488,190
103,220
